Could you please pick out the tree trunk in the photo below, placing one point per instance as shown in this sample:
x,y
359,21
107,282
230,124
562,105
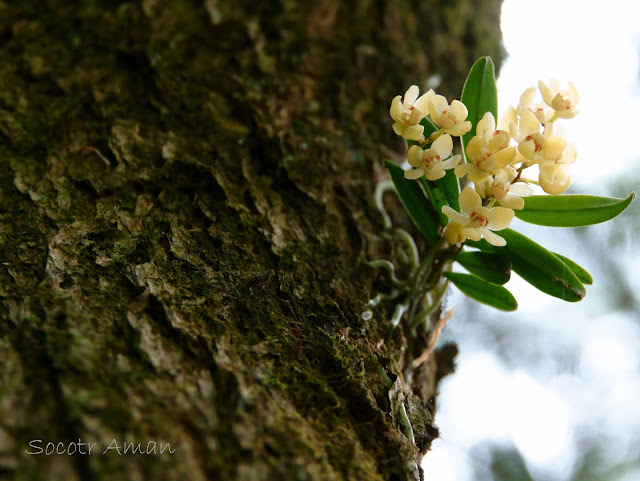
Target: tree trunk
x,y
186,218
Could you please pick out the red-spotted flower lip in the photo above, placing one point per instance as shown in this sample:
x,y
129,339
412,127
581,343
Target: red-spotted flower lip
x,y
476,221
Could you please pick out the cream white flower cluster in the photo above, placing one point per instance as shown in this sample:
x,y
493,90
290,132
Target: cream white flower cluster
x,y
497,156
532,126
451,119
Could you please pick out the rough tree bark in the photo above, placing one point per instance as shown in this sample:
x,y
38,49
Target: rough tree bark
x,y
185,219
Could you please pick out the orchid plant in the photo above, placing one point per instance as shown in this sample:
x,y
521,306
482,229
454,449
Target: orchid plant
x,y
501,159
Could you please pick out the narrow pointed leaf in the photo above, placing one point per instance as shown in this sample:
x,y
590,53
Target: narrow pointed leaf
x,y
415,203
450,185
541,268
494,268
580,272
483,291
438,198
571,210
480,95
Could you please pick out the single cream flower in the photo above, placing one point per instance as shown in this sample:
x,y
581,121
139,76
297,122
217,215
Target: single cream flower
x,y
408,113
488,151
509,195
554,172
451,118
430,162
537,147
455,233
477,221
564,102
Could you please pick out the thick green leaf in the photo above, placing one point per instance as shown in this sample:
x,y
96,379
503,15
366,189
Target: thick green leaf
x,y
571,210
480,95
494,268
415,203
541,268
483,291
438,198
450,185
443,191
580,272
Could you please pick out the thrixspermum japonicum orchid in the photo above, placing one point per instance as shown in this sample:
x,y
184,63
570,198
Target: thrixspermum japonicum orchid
x,y
563,102
476,220
451,118
488,151
408,112
431,162
464,177
496,157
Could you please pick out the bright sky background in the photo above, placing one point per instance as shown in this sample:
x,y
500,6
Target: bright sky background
x,y
576,369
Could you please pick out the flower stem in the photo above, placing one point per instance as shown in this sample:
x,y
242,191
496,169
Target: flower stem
x,y
432,137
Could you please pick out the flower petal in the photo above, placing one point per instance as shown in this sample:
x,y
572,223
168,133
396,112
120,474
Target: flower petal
x,y
567,114
410,96
452,162
547,171
399,128
521,189
553,148
499,139
512,201
500,218
454,215
555,188
422,103
503,157
453,234
476,150
529,124
436,172
396,108
493,239
569,155
478,176
464,169
517,159
414,173
459,129
459,110
471,233
414,156
547,93
573,93
437,104
506,175
486,124
413,132
508,116
416,116
443,145
470,200
526,99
